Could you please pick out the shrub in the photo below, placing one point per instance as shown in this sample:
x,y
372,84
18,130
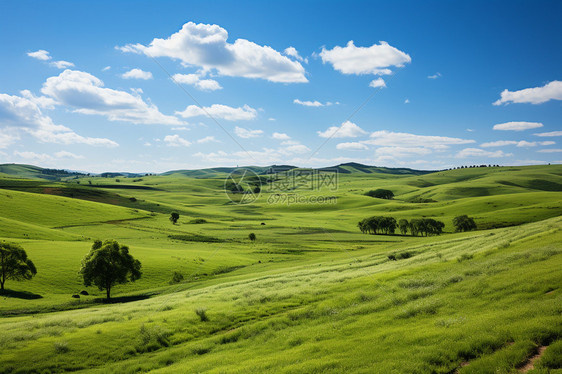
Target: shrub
x,y
198,221
177,277
202,313
61,347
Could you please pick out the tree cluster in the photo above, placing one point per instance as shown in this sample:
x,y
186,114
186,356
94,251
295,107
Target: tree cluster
x,y
381,194
464,223
387,225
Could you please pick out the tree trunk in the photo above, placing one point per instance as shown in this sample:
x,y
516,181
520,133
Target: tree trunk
x,y
108,292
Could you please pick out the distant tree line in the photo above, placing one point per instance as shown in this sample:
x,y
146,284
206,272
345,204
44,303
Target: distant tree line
x,y
388,225
417,226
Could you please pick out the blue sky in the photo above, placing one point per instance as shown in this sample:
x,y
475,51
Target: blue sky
x,y
149,86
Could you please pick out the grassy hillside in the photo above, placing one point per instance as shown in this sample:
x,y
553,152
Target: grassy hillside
x,y
312,294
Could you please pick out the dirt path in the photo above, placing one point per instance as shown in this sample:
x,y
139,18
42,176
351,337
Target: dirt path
x,y
530,365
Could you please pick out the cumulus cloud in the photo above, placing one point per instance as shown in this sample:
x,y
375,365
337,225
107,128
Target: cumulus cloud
x,y
66,154
552,150
42,102
517,126
137,74
477,152
87,95
535,95
21,114
399,152
498,143
28,155
207,139
351,146
40,55
206,46
196,81
220,111
401,139
280,136
292,51
247,133
176,141
62,64
551,133
7,138
377,59
377,83
346,130
314,103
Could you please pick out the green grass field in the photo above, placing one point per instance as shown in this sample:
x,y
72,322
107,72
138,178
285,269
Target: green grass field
x,y
311,295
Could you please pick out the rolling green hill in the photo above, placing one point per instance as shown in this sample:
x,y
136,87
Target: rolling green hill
x,y
311,294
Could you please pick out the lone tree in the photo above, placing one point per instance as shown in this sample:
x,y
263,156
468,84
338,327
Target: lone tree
x,y
109,264
381,194
464,223
252,237
14,264
174,217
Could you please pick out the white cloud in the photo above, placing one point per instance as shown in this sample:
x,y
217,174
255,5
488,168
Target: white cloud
x,y
206,46
87,95
524,143
376,59
399,152
19,113
247,133
181,128
400,139
62,64
517,126
43,102
66,154
535,95
176,141
552,150
220,111
292,51
498,143
552,133
137,74
521,143
477,152
346,130
40,55
280,136
294,149
6,138
351,146
106,68
207,139
195,80
434,76
377,83
407,101
27,155
308,103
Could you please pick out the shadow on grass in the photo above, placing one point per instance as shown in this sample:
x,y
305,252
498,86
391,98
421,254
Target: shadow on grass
x,y
124,299
20,294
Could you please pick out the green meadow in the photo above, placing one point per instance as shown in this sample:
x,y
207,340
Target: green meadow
x,y
312,294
